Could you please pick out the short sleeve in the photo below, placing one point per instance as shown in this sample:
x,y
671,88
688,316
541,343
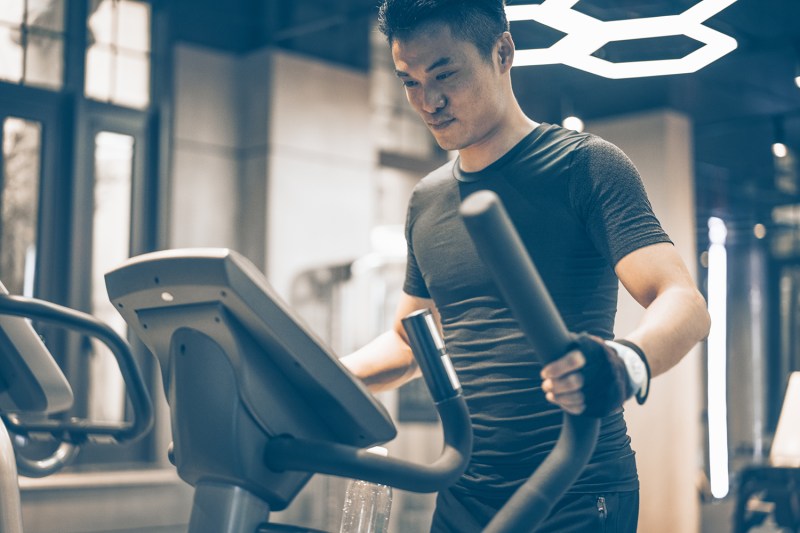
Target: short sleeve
x,y
414,283
608,193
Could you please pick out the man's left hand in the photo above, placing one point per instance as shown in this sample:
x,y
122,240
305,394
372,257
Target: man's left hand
x,y
590,379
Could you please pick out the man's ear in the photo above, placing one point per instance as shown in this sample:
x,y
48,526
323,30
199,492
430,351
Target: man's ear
x,y
505,51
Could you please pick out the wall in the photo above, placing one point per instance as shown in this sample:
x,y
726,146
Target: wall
x,y
271,148
320,165
205,174
666,431
219,174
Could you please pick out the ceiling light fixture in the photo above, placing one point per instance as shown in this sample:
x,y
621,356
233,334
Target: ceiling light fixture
x,y
779,148
569,117
585,35
573,123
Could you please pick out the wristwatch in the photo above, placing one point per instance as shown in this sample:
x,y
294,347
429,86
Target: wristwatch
x,y
636,365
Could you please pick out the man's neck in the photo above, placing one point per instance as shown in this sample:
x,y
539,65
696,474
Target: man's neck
x,y
478,156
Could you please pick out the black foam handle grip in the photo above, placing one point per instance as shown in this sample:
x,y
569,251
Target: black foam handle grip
x,y
503,252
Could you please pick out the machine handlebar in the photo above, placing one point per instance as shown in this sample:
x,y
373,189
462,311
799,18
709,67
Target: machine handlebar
x,y
72,433
348,461
504,254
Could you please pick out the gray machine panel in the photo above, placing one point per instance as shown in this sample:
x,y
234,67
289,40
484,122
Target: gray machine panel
x,y
152,292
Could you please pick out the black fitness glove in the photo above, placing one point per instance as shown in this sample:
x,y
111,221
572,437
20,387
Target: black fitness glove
x,y
605,378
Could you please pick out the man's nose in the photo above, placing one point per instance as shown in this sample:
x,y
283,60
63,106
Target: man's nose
x,y
433,101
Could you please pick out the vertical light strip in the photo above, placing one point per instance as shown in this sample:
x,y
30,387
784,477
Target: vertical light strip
x,y
717,358
757,348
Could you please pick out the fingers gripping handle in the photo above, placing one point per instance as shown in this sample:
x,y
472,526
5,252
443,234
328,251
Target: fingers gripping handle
x,y
501,249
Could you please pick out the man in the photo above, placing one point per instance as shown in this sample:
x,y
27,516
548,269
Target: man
x,y
583,215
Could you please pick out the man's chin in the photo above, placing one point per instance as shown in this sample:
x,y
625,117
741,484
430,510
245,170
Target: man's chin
x,y
446,143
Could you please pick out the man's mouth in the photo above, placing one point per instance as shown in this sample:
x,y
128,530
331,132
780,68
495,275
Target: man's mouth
x,y
441,124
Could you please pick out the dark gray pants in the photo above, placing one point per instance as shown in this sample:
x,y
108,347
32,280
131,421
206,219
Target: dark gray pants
x,y
609,512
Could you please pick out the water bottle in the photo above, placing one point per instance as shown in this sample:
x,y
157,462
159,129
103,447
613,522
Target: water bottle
x,y
367,505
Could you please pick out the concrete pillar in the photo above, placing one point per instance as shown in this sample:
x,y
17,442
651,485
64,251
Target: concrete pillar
x,y
666,432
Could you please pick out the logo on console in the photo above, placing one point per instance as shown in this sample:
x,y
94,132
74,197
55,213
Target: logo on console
x,y
585,35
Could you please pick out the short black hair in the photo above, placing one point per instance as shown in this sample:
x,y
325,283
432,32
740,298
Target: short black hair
x,y
480,22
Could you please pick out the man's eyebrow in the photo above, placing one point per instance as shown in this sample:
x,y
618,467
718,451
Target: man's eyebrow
x,y
442,61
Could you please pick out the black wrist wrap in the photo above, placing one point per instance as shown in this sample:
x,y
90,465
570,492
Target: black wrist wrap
x,y
605,379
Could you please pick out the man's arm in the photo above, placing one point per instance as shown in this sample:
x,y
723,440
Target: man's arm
x,y
388,362
675,319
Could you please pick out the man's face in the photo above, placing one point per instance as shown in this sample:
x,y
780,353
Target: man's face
x,y
456,91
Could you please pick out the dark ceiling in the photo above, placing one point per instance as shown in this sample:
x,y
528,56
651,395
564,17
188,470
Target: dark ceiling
x,y
738,104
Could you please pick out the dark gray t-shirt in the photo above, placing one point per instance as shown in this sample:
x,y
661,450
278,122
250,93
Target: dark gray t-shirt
x,y
579,206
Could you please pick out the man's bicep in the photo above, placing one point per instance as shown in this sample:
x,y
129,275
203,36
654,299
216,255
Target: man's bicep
x,y
647,272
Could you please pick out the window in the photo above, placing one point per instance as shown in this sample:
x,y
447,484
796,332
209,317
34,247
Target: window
x,y
79,173
118,52
19,203
111,243
32,42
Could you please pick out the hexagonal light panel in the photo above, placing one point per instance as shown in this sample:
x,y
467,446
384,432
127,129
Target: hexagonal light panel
x,y
585,35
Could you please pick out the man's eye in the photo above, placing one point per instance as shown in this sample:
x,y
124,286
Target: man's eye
x,y
444,75
409,83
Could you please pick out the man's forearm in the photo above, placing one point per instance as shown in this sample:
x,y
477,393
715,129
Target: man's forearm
x,y
385,363
672,324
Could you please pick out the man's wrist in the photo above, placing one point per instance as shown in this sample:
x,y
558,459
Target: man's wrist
x,y
636,365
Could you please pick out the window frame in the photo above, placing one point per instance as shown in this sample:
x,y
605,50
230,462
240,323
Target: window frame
x,y
96,117
70,121
52,239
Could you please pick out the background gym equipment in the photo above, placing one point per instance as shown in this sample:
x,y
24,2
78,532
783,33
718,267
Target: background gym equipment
x,y
773,489
257,403
31,383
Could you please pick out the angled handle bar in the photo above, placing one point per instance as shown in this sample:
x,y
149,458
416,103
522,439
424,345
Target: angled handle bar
x,y
73,432
348,461
503,252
